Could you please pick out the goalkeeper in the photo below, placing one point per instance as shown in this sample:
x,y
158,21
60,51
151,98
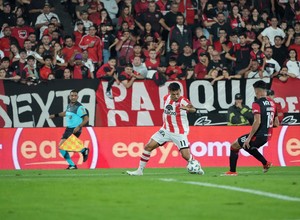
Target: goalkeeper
x,y
76,117
239,114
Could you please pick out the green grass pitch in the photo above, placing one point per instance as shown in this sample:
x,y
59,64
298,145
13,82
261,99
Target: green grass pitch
x,y
159,194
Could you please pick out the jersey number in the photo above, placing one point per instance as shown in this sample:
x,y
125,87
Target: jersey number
x,y
270,118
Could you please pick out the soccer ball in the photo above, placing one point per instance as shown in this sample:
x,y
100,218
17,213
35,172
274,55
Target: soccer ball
x,y
194,167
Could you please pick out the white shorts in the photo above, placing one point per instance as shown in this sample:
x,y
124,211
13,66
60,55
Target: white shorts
x,y
162,136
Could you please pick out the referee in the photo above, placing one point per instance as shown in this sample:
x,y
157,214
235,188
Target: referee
x,y
76,117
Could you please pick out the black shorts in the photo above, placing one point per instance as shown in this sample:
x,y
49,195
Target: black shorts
x,y
256,142
69,132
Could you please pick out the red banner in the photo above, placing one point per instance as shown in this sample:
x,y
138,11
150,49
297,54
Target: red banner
x,y
117,147
288,94
139,105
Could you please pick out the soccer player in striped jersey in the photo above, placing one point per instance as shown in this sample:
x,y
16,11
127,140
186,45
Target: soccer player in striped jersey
x,y
265,118
175,128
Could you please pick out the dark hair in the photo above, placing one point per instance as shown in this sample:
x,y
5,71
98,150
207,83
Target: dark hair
x,y
30,57
74,90
260,84
174,86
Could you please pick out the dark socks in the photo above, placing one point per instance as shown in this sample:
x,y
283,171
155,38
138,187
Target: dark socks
x,y
255,153
234,155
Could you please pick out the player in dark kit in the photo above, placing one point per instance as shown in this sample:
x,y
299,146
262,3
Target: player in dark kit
x,y
265,118
76,117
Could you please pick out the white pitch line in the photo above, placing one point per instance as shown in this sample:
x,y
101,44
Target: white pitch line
x,y
233,188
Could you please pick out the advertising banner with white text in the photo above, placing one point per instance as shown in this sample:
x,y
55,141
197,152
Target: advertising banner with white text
x,y
121,147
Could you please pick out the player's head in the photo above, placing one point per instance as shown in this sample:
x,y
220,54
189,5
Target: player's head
x,y
73,96
260,88
174,90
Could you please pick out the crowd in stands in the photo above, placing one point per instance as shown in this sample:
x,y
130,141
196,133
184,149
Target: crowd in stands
x,y
124,40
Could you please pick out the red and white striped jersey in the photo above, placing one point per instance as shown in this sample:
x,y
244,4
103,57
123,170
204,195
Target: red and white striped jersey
x,y
175,119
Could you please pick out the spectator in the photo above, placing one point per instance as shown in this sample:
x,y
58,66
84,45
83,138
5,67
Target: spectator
x,y
200,69
68,74
170,20
21,31
47,45
86,22
5,64
30,71
296,46
59,62
235,20
139,67
141,6
272,31
33,40
255,71
109,41
95,15
14,53
174,71
181,33
174,51
240,55
280,51
40,52
112,9
128,76
70,50
153,61
125,47
214,75
257,54
7,16
126,16
88,63
43,19
148,31
137,52
272,67
220,8
93,45
79,33
46,70
19,65
216,62
80,71
290,37
221,24
283,75
104,18
221,45
292,10
6,41
81,7
239,114
35,8
30,52
154,17
293,65
108,73
187,58
159,77
257,23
